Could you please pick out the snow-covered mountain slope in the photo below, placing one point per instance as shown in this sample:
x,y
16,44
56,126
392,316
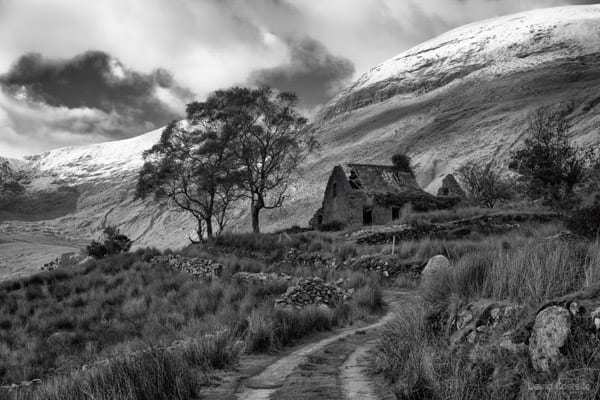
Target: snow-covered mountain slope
x,y
465,94
480,50
103,177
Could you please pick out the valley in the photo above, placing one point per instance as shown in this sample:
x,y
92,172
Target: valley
x,y
463,96
439,238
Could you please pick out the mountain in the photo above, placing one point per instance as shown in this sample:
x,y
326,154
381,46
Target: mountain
x,y
465,94
71,193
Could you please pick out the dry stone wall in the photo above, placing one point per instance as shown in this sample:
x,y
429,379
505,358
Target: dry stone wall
x,y
198,267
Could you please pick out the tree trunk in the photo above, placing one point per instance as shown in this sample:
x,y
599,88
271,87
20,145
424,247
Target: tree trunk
x,y
209,228
255,218
198,232
257,204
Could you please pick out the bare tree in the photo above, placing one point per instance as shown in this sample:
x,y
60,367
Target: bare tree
x,y
484,185
192,166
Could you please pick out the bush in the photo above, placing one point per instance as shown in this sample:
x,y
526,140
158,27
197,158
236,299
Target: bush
x,y
114,243
332,226
402,163
550,165
585,221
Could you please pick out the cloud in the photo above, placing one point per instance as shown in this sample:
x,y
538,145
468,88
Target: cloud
x,y
84,99
312,72
98,81
208,45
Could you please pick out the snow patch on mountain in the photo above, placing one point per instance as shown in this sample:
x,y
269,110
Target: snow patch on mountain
x,y
107,160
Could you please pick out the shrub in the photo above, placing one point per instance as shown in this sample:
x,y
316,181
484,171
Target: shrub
x,y
402,163
332,226
585,221
114,243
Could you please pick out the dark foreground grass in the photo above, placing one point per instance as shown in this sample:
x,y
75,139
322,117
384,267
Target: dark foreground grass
x,y
153,374
54,322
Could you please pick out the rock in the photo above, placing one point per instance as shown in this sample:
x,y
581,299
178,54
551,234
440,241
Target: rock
x,y
434,266
595,315
550,332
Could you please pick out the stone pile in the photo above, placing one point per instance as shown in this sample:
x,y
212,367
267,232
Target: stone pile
x,y
262,277
198,267
313,291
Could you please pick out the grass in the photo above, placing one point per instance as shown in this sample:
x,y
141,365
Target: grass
x,y
414,355
54,322
529,274
154,374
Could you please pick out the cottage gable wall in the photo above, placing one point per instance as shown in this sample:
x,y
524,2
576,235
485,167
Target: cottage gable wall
x,y
345,205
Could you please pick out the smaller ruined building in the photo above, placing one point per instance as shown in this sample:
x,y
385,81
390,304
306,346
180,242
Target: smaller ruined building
x,y
451,187
364,194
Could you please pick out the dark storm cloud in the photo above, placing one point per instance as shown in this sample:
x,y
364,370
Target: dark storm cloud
x,y
97,81
312,72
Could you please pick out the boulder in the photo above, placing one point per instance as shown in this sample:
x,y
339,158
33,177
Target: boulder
x,y
549,334
435,265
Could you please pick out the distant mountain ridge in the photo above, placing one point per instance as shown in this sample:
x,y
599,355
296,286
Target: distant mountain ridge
x,y
463,95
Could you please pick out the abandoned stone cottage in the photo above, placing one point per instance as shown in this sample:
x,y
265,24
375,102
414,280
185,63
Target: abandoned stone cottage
x,y
363,194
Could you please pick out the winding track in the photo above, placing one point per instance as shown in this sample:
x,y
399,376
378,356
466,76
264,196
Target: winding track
x,y
355,384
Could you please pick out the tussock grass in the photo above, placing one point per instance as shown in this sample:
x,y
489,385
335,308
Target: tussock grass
x,y
155,374
54,322
413,352
530,274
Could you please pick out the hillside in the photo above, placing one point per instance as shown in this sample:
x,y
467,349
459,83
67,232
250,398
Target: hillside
x,y
465,94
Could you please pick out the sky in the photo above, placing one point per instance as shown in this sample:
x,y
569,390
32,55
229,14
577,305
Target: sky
x,y
76,72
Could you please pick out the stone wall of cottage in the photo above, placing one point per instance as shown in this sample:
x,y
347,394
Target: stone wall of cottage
x,y
343,203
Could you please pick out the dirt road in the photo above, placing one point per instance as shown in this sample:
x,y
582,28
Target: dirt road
x,y
331,368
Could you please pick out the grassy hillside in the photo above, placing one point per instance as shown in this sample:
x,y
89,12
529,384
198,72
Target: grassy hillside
x,y
53,323
421,361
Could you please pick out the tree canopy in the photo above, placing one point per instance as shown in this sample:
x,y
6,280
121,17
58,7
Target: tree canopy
x,y
267,136
238,143
192,165
549,163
